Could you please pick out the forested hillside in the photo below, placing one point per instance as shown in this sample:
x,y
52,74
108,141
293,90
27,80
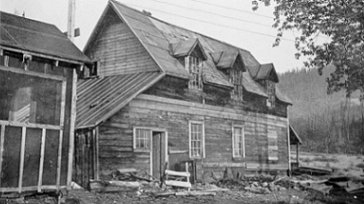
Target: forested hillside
x,y
326,123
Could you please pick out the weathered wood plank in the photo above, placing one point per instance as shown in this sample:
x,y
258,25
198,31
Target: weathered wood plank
x,y
22,152
41,160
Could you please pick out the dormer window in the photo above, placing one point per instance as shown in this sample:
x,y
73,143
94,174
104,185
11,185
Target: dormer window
x,y
271,92
236,78
194,66
267,76
90,71
231,63
191,54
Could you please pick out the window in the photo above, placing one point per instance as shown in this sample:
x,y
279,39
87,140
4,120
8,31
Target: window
x,y
194,66
272,145
30,99
142,139
271,89
236,78
197,139
238,141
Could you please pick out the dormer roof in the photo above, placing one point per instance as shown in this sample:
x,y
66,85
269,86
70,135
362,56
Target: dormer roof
x,y
227,59
264,72
188,47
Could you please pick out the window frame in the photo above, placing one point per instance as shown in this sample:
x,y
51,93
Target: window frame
x,y
271,92
138,149
202,140
236,78
233,140
194,66
273,148
62,104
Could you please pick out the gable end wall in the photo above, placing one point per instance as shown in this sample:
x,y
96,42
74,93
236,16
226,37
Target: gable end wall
x,y
118,50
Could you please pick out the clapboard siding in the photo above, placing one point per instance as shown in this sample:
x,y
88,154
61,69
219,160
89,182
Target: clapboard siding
x,y
118,50
116,136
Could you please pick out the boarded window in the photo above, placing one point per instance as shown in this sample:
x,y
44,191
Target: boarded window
x,y
142,139
29,99
238,141
197,143
272,145
194,66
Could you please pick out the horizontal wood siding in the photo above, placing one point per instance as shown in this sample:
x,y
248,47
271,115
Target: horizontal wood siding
x,y
118,50
116,134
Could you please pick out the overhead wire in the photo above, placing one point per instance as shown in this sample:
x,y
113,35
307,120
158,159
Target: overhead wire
x,y
212,13
203,21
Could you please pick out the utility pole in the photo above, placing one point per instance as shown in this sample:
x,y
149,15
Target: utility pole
x,y
71,19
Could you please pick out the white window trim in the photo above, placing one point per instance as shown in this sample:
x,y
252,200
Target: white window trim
x,y
202,142
233,140
271,147
135,149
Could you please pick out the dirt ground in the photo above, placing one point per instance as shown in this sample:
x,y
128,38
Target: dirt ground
x,y
234,196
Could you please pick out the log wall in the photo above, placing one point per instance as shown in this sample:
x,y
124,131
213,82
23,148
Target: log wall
x,y
116,136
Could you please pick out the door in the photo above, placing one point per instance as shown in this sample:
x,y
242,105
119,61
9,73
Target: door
x,y
158,153
85,159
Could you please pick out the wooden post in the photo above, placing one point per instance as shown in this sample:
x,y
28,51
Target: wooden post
x,y
72,128
2,135
22,152
97,153
63,107
188,177
288,144
41,161
297,157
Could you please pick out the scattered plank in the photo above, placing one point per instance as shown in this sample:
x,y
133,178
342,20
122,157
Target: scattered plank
x,y
127,170
113,186
195,193
178,183
164,194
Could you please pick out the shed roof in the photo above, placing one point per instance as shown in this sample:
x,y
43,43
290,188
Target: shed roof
x,y
293,136
100,98
35,36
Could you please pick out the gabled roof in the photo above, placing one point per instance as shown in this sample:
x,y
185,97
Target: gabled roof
x,y
187,47
100,98
263,72
226,60
34,36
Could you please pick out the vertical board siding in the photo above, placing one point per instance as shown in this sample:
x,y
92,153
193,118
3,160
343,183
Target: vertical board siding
x,y
116,137
118,50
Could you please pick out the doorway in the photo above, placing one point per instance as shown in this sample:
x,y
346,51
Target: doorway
x,y
158,153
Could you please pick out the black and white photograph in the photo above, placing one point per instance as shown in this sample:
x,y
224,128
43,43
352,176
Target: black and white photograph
x,y
183,101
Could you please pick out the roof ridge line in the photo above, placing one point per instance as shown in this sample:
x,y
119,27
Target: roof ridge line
x,y
38,21
239,48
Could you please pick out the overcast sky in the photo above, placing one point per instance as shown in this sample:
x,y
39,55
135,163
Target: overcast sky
x,y
232,21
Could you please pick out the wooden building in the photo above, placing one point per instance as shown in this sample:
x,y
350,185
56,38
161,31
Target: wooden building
x,y
161,93
37,106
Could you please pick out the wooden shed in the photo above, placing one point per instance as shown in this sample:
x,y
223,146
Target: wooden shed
x,y
37,106
163,94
